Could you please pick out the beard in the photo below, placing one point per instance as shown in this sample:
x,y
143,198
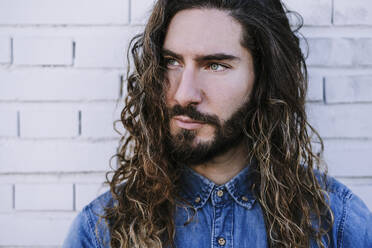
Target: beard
x,y
182,148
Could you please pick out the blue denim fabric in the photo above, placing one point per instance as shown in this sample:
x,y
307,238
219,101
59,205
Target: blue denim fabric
x,y
229,216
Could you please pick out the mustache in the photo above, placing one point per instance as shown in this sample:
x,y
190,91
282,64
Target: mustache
x,y
194,114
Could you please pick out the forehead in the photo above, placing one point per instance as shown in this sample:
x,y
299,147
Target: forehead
x,y
203,31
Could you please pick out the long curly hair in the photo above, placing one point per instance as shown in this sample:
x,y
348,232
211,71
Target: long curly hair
x,y
291,192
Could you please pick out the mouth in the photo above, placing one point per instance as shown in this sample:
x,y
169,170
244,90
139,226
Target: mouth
x,y
185,122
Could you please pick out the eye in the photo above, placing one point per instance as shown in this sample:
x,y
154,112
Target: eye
x,y
217,67
170,62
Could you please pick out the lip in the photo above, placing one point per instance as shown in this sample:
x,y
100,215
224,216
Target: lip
x,y
187,123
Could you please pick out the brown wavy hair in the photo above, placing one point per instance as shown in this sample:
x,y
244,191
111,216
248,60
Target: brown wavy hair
x,y
290,181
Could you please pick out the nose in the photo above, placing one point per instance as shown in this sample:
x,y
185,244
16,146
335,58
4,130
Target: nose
x,y
188,90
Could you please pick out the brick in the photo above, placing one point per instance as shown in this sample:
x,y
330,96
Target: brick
x,y
43,197
69,12
315,88
348,158
342,121
34,229
42,51
99,122
314,12
344,89
55,156
357,12
101,51
58,84
364,192
5,50
8,124
6,192
141,10
364,51
85,193
49,123
329,52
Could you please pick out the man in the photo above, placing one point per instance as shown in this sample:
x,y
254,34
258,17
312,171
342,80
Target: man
x,y
218,152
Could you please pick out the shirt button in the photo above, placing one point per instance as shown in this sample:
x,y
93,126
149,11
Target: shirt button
x,y
197,199
221,241
220,193
244,198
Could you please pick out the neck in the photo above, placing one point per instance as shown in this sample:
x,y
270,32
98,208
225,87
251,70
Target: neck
x,y
223,168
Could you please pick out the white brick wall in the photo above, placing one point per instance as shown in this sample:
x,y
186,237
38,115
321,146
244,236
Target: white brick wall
x,y
348,89
5,50
356,12
42,51
314,12
44,197
364,51
52,156
41,123
73,12
141,10
61,64
6,192
58,84
34,229
86,192
8,124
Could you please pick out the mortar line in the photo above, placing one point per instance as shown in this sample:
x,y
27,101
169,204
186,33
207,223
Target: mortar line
x,y
79,120
324,91
74,197
11,51
18,124
13,195
129,11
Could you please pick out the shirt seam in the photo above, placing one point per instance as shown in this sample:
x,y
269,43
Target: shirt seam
x,y
340,231
91,227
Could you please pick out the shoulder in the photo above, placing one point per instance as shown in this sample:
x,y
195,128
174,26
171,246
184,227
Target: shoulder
x,y
352,218
89,228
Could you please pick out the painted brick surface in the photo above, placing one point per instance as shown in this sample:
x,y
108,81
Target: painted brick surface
x,y
330,52
342,121
364,192
315,88
314,12
49,123
55,156
42,51
348,89
348,157
43,197
99,123
8,123
141,10
101,51
364,51
34,229
5,50
58,85
82,12
87,192
357,12
6,192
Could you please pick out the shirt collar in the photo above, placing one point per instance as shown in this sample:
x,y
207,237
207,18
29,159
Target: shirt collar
x,y
197,189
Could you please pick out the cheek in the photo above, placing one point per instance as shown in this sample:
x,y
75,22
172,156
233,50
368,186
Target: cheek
x,y
227,96
171,88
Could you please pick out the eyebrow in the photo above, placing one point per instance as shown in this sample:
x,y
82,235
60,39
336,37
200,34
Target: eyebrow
x,y
202,58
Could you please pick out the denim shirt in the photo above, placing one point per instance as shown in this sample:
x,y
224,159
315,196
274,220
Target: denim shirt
x,y
229,216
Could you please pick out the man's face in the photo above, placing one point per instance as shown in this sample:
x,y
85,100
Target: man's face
x,y
210,79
